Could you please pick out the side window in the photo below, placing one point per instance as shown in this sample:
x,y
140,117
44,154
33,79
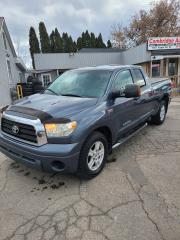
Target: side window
x,y
139,78
122,79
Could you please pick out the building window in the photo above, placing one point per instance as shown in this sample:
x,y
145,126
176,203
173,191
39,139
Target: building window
x,y
155,68
46,79
9,71
4,39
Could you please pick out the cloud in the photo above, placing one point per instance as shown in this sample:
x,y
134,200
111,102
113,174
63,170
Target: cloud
x,y
72,16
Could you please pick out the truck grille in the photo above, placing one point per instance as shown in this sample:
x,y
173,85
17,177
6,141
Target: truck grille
x,y
19,130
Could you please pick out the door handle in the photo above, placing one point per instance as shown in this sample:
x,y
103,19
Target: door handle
x,y
139,100
136,98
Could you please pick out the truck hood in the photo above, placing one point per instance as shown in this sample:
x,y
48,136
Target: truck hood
x,y
57,106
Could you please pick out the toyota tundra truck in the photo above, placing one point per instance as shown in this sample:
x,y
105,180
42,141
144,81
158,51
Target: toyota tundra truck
x,y
79,118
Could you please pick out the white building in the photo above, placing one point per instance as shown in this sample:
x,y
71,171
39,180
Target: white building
x,y
12,69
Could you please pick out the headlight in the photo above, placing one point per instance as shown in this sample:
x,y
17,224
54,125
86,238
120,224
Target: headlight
x,y
60,129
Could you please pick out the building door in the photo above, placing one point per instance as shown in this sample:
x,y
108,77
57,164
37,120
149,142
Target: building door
x,y
156,68
173,66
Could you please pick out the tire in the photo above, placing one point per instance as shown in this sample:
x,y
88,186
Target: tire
x,y
27,89
95,144
159,118
28,92
38,88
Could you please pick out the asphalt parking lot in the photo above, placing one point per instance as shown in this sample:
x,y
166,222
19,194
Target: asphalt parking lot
x,y
137,196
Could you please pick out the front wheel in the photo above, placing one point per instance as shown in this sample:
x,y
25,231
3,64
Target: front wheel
x,y
93,156
161,115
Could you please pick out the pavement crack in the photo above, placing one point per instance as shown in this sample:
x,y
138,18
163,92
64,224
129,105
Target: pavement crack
x,y
6,180
120,205
143,207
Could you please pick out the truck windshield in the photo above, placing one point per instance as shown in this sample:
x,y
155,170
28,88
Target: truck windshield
x,y
81,83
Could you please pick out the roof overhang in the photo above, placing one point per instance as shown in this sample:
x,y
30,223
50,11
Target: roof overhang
x,y
20,64
5,29
166,52
64,61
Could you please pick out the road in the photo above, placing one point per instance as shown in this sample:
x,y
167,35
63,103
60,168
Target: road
x,y
137,196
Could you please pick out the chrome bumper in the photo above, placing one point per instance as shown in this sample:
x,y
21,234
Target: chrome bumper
x,y
36,123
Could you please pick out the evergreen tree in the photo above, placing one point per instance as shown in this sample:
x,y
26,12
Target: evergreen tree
x,y
96,42
65,42
33,44
79,43
109,44
44,38
58,41
99,42
74,47
70,47
52,42
57,44
87,39
93,41
83,40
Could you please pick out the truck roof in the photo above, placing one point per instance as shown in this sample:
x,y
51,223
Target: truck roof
x,y
108,67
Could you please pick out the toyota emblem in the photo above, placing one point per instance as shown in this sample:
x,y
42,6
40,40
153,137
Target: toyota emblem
x,y
15,129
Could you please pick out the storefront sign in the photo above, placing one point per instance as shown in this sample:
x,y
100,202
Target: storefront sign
x,y
159,43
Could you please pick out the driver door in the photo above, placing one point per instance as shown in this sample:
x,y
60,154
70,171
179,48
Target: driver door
x,y
124,109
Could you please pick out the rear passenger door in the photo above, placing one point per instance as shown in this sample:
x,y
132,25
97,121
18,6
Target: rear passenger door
x,y
143,103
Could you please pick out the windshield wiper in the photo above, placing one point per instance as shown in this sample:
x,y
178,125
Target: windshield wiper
x,y
52,91
71,95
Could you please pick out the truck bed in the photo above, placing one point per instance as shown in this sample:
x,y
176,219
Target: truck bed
x,y
158,80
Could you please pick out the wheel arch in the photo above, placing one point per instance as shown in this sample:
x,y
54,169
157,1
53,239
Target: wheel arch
x,y
106,131
166,99
108,134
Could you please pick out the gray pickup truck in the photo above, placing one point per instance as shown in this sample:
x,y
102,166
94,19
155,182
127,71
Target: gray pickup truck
x,y
76,122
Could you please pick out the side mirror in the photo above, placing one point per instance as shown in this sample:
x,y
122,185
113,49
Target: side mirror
x,y
132,91
113,95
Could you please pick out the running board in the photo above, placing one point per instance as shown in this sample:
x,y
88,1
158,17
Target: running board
x,y
128,137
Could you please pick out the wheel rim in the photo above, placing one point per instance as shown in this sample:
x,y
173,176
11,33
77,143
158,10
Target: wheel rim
x,y
95,155
162,113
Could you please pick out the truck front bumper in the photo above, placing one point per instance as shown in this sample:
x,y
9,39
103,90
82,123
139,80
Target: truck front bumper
x,y
49,157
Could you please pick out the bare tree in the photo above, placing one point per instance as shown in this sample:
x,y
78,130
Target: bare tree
x,y
162,19
118,36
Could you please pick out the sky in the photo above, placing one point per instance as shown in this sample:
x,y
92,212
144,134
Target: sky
x,y
72,16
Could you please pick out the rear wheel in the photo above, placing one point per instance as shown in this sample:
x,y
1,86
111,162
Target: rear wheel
x,y
161,115
93,156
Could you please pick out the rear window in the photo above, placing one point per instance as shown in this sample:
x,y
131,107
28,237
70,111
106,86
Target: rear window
x,y
139,78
